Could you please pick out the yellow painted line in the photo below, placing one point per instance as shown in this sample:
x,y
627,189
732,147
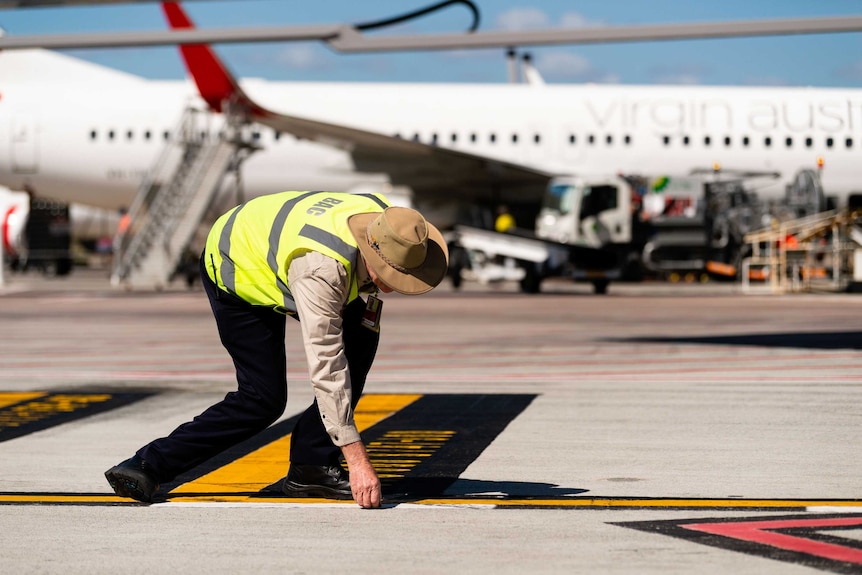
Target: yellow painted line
x,y
375,408
31,410
257,500
62,498
11,398
396,453
490,502
76,498
658,503
268,464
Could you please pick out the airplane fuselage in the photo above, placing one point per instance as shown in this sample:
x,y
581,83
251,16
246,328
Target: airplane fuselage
x,y
605,129
97,146
92,140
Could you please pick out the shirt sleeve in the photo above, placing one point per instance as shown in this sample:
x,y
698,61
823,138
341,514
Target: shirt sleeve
x,y
320,288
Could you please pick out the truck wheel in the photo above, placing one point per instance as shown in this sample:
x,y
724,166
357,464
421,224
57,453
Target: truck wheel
x,y
455,276
632,269
532,280
457,260
64,266
600,287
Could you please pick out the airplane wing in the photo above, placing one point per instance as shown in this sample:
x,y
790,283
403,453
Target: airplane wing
x,y
432,173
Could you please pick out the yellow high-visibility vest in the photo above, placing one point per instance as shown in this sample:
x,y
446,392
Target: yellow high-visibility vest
x,y
249,249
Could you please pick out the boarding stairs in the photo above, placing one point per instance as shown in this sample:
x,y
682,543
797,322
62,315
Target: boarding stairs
x,y
174,198
820,252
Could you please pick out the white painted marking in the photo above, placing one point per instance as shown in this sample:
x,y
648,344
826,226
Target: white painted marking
x,y
835,509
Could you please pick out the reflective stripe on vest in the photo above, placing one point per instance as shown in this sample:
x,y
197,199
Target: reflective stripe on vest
x,y
249,249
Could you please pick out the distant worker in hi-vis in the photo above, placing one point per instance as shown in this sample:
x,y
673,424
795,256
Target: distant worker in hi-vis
x,y
309,255
505,221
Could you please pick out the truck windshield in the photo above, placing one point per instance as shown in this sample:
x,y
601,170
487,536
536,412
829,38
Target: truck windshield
x,y
598,199
559,198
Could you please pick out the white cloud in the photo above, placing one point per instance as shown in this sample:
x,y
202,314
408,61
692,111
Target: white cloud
x,y
680,79
481,54
575,20
564,64
302,57
608,78
680,74
567,66
523,19
533,18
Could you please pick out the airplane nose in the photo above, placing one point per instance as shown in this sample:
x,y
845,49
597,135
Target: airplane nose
x,y
18,143
4,141
23,142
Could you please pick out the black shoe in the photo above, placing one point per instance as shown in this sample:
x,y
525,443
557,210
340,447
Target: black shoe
x,y
328,481
133,478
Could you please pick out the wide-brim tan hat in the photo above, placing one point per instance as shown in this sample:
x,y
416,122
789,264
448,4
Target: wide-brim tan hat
x,y
405,251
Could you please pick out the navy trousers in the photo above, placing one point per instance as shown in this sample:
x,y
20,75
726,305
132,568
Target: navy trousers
x,y
254,338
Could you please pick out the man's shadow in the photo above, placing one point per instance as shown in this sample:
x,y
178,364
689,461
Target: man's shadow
x,y
510,489
416,488
407,489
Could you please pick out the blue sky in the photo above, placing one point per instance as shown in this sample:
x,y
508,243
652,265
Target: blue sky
x,y
804,60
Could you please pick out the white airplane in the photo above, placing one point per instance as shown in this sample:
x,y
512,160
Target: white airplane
x,y
79,132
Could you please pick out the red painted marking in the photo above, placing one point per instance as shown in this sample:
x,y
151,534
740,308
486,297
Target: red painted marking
x,y
760,532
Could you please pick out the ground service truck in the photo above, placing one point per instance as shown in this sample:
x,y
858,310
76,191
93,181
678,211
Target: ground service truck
x,y
623,227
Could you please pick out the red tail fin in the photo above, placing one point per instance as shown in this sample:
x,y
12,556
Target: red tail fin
x,y
215,83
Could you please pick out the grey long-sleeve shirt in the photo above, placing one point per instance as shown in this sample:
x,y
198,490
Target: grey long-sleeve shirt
x,y
320,287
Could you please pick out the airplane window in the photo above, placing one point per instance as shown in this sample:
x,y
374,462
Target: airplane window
x,y
665,140
745,141
685,140
473,137
493,138
397,136
129,135
707,140
572,139
627,140
92,134
591,139
276,135
416,137
727,140
767,141
434,138
788,142
454,137
848,142
808,142
147,135
166,135
110,134
514,138
829,142
537,138
254,135
609,139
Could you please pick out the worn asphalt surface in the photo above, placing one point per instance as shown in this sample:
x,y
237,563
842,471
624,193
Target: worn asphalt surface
x,y
654,406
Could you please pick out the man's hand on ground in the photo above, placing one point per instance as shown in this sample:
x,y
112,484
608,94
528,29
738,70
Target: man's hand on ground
x,y
363,479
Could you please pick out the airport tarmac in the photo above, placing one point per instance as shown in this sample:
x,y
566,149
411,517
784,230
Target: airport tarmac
x,y
656,429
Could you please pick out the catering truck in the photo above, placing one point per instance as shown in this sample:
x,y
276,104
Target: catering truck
x,y
600,229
